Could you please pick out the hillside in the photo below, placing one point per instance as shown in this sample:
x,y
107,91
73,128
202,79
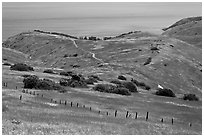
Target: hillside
x,y
125,55
167,60
188,30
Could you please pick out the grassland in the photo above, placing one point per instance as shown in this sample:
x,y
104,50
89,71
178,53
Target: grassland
x,y
38,115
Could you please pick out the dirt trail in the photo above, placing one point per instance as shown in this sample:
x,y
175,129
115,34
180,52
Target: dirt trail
x,y
93,54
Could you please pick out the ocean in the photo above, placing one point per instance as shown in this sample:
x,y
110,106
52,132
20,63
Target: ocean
x,y
92,19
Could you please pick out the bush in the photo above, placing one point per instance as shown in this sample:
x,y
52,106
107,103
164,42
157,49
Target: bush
x,y
33,81
49,71
7,64
130,86
121,91
91,80
21,67
165,92
75,81
148,61
111,89
141,84
45,84
190,97
122,77
30,81
66,73
64,82
95,77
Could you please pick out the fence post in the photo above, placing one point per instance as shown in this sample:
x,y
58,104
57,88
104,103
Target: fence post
x,y
71,104
20,97
60,102
16,87
172,121
190,124
51,100
162,120
99,111
65,103
42,95
147,116
107,113
127,114
115,113
90,108
33,92
77,104
84,106
136,115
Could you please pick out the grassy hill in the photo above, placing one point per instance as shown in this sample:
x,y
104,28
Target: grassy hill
x,y
188,30
172,60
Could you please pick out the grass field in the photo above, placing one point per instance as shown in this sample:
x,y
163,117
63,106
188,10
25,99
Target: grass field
x,y
35,114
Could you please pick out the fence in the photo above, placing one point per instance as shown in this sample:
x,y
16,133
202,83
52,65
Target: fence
x,y
127,114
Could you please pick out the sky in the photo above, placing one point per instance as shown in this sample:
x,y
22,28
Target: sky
x,y
32,10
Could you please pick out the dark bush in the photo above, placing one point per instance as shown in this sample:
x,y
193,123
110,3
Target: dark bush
x,y
111,89
122,77
64,82
148,61
154,48
45,84
165,92
190,97
49,71
30,81
75,81
130,86
21,67
7,64
66,73
33,81
91,80
141,84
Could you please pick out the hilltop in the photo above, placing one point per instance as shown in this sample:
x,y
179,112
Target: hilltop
x,y
188,30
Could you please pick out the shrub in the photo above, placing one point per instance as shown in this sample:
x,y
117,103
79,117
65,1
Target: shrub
x,y
49,71
111,89
190,97
75,81
141,84
91,80
33,81
154,48
148,61
64,82
165,92
95,77
7,64
66,73
21,67
45,84
121,91
30,81
122,77
130,86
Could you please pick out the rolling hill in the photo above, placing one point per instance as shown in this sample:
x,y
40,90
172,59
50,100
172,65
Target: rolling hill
x,y
188,30
172,60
